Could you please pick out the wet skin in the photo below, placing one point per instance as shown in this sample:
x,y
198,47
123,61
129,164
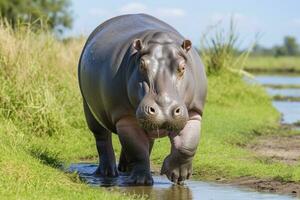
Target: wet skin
x,y
141,79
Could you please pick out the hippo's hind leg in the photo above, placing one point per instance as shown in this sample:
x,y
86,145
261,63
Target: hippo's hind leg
x,y
107,160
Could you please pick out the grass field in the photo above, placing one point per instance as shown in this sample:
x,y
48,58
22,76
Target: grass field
x,y
285,64
43,127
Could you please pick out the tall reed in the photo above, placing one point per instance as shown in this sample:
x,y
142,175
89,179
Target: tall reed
x,y
220,50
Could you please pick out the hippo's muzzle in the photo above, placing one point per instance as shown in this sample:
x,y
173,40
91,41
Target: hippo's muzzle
x,y
161,113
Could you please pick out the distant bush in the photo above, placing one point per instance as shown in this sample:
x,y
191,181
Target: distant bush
x,y
55,14
290,47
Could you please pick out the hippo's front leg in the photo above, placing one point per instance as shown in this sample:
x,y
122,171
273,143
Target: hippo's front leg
x,y
135,145
178,164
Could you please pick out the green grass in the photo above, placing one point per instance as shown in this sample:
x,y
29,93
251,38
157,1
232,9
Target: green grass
x,y
272,64
285,98
41,119
43,127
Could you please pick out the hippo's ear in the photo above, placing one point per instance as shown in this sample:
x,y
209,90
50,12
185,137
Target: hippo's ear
x,y
137,44
186,45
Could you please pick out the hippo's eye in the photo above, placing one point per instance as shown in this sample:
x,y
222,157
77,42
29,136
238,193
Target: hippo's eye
x,y
143,66
181,69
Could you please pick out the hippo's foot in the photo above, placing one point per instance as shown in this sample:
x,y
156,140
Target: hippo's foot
x,y
124,165
107,169
139,176
177,170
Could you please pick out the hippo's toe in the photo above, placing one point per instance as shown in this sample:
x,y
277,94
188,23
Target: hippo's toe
x,y
107,170
139,178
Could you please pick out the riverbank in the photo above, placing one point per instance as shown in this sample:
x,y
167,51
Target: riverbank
x,y
273,149
237,116
270,64
43,127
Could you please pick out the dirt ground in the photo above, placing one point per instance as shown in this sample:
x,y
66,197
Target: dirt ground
x,y
276,148
289,188
279,148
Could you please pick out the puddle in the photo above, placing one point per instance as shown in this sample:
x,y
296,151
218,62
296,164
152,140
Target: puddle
x,y
290,110
163,189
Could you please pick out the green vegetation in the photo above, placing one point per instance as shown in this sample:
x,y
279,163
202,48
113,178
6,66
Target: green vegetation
x,y
54,14
297,123
289,47
278,86
219,51
272,64
278,59
285,98
43,126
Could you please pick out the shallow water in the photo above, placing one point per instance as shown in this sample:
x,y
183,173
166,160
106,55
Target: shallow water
x,y
284,92
278,79
163,189
289,110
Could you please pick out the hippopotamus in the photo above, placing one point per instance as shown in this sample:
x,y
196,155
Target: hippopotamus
x,y
142,80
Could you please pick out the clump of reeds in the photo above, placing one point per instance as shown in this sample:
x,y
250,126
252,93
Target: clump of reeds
x,y
220,50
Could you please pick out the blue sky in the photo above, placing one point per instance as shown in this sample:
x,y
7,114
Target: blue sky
x,y
271,19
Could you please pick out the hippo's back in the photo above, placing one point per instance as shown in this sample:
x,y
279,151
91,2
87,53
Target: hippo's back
x,y
111,39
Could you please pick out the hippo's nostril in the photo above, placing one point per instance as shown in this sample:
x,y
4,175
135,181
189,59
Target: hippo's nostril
x,y
177,111
151,110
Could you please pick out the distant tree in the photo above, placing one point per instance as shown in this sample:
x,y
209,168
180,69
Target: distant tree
x,y
288,48
290,45
259,50
55,14
280,51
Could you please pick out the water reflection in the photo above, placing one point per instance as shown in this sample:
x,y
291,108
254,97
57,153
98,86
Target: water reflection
x,y
164,190
171,192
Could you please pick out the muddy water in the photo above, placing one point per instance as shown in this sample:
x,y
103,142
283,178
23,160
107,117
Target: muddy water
x,y
165,190
290,110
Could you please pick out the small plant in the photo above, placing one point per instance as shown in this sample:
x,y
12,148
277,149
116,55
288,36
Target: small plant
x,y
219,51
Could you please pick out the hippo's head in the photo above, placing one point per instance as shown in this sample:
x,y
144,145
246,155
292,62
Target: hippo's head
x,y
158,82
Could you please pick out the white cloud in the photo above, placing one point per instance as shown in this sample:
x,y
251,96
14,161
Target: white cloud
x,y
295,22
97,12
133,8
136,7
142,8
241,21
170,12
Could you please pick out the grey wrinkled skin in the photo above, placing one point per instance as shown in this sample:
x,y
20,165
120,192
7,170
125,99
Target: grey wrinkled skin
x,y
141,79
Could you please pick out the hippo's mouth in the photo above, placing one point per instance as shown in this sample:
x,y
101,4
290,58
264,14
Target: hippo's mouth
x,y
159,133
151,126
157,130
